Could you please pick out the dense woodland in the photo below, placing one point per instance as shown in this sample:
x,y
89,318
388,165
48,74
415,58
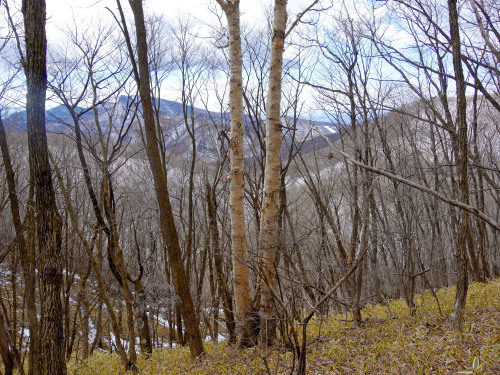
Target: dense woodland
x,y
236,214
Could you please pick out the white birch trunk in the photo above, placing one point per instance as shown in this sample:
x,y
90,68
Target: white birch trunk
x,y
242,298
269,230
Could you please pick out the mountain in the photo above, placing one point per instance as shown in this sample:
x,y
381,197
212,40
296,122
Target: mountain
x,y
210,128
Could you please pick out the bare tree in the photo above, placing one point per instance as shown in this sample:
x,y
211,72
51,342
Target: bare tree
x,y
168,229
48,220
463,176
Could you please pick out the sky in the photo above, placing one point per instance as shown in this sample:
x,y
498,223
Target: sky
x,y
61,12
64,14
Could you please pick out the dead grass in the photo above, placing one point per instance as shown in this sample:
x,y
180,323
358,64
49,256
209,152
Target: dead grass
x,y
391,342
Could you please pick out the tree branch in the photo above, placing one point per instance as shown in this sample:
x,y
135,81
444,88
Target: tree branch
x,y
466,207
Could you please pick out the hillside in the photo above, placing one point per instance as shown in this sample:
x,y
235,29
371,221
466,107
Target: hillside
x,y
391,342
209,126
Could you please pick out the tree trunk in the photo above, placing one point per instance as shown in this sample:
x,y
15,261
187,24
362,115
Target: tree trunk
x,y
223,290
269,230
168,229
85,329
141,311
48,221
462,160
5,353
96,264
243,302
178,325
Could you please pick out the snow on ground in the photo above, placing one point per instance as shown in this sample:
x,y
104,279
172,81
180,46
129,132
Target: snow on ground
x,y
220,338
330,129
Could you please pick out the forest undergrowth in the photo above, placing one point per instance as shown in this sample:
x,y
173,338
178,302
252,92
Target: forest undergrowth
x,y
391,342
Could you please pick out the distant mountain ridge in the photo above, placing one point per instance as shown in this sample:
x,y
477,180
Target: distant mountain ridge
x,y
209,125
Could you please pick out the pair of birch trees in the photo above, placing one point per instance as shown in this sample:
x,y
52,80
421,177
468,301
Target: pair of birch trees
x,y
269,230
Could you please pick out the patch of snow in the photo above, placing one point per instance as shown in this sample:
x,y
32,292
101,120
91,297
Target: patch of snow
x,y
330,129
25,332
92,333
220,338
162,321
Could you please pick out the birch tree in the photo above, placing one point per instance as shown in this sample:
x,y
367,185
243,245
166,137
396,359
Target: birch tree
x,y
269,229
241,282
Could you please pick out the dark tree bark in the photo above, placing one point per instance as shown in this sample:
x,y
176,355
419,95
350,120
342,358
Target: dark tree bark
x,y
140,305
48,221
224,292
168,229
5,353
462,160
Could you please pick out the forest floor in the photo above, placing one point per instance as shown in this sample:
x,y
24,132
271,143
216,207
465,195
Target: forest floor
x,y
391,342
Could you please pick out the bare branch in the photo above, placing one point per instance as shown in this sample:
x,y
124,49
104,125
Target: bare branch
x,y
466,207
299,17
